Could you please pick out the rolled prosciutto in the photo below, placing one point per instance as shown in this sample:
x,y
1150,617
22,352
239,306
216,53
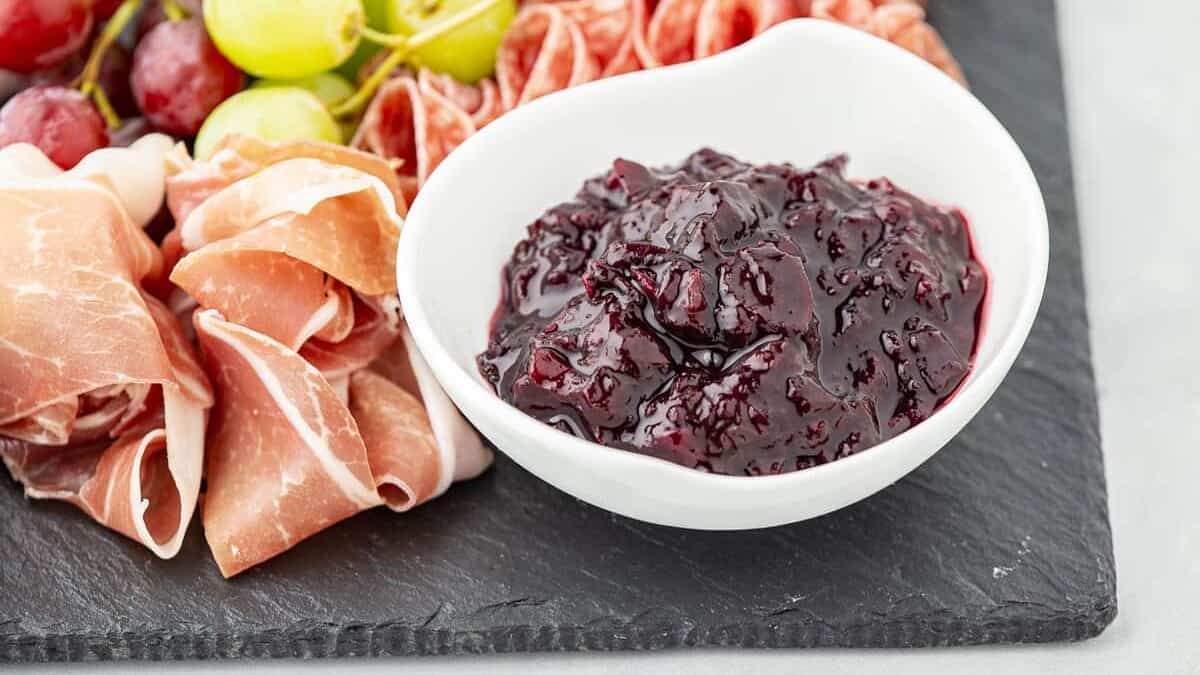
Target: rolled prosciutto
x,y
102,400
323,408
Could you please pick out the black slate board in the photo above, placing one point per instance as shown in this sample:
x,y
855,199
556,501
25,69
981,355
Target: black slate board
x,y
1002,537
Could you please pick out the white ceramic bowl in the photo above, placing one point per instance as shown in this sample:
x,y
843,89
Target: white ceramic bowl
x,y
802,91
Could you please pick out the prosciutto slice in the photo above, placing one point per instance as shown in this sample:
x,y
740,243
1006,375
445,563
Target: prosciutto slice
x,y
414,127
901,22
110,417
302,250
237,156
289,457
292,268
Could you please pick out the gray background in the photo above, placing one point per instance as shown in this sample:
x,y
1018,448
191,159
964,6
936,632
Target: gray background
x,y
1134,105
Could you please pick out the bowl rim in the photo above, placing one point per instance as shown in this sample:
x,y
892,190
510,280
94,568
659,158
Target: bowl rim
x,y
965,402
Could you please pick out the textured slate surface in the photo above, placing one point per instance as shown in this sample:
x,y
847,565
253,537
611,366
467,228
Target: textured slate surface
x,y
1002,537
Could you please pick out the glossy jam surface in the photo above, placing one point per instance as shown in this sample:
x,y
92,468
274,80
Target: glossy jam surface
x,y
738,319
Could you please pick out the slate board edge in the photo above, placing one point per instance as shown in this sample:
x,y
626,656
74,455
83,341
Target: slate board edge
x,y
387,639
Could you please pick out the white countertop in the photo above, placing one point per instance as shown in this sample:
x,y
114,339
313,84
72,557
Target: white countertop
x,y
1134,106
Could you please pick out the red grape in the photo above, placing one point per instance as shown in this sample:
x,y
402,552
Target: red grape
x,y
37,34
113,77
179,76
153,14
62,122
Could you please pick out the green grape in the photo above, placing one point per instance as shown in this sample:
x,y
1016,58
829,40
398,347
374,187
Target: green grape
x,y
330,88
377,18
276,113
285,38
467,52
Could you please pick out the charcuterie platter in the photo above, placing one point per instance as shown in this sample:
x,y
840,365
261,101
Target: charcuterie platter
x,y
205,483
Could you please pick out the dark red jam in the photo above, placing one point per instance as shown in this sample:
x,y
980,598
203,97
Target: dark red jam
x,y
738,319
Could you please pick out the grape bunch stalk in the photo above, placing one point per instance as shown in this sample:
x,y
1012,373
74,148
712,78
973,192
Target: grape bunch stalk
x,y
186,77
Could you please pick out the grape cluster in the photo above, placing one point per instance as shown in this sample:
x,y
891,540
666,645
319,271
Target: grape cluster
x,y
186,67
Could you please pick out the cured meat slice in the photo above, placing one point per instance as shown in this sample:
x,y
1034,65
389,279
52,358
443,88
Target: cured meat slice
x,y
290,453
608,28
669,33
543,51
285,459
301,206
683,30
724,24
134,174
481,101
901,22
236,156
459,444
110,418
376,326
401,450
293,270
412,127
302,250
904,24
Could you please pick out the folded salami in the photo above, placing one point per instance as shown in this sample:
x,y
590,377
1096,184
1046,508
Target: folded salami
x,y
543,51
481,101
414,125
683,30
901,22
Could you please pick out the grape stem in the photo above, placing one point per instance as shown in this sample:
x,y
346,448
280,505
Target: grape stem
x,y
402,47
385,39
86,82
173,11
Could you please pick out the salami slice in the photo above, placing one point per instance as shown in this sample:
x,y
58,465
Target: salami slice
x,y
608,28
412,127
683,30
670,33
542,52
724,24
901,22
904,25
481,101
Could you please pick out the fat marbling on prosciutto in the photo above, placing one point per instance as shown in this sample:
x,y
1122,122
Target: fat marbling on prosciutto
x,y
324,408
102,401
